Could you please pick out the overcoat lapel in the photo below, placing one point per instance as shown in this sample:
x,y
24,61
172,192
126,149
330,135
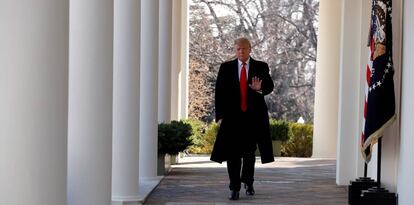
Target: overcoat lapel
x,y
235,69
251,70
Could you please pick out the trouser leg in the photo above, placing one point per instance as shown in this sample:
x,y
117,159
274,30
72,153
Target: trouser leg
x,y
248,168
233,168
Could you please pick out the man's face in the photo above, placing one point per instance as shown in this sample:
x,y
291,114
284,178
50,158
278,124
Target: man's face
x,y
243,51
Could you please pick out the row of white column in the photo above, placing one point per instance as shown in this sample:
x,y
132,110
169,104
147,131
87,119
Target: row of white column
x,y
338,105
82,90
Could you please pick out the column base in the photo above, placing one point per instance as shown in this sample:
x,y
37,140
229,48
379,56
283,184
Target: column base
x,y
126,203
146,186
126,200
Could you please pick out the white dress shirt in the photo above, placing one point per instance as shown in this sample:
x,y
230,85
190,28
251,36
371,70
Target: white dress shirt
x,y
247,68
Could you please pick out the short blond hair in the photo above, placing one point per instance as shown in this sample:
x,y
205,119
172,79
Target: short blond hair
x,y
242,41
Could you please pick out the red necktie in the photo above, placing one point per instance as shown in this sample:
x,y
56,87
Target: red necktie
x,y
243,88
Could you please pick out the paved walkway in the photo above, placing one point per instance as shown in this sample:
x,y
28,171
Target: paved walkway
x,y
288,181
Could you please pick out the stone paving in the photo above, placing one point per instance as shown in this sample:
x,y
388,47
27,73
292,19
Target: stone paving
x,y
288,181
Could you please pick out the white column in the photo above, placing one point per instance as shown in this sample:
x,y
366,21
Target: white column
x,y
349,129
184,59
33,106
176,60
148,150
164,73
90,102
406,165
179,75
327,76
125,156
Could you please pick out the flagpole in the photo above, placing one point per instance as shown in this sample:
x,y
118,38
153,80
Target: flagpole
x,y
379,162
365,169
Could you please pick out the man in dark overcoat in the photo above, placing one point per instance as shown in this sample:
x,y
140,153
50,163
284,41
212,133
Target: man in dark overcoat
x,y
242,115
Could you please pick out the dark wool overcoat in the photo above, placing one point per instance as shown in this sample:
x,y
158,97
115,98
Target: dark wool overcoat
x,y
240,132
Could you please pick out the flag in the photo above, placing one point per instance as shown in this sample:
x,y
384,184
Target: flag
x,y
379,105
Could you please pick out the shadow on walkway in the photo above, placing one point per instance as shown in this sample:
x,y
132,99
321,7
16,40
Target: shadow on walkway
x,y
288,181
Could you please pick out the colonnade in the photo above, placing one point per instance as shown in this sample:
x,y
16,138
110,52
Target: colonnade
x,y
83,88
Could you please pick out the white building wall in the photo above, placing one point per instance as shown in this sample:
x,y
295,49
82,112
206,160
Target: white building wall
x,y
406,162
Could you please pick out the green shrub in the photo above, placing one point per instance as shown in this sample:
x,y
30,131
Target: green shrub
x,y
198,139
203,138
279,130
174,137
210,137
299,143
296,138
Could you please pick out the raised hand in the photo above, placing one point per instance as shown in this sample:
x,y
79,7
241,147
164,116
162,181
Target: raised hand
x,y
256,84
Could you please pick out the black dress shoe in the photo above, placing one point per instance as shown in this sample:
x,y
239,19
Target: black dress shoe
x,y
249,190
234,195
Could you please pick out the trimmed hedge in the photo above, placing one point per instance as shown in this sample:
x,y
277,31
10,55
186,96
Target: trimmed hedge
x,y
210,137
279,130
174,137
300,141
296,138
203,137
198,139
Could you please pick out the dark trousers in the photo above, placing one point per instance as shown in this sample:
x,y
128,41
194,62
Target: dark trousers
x,y
244,164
